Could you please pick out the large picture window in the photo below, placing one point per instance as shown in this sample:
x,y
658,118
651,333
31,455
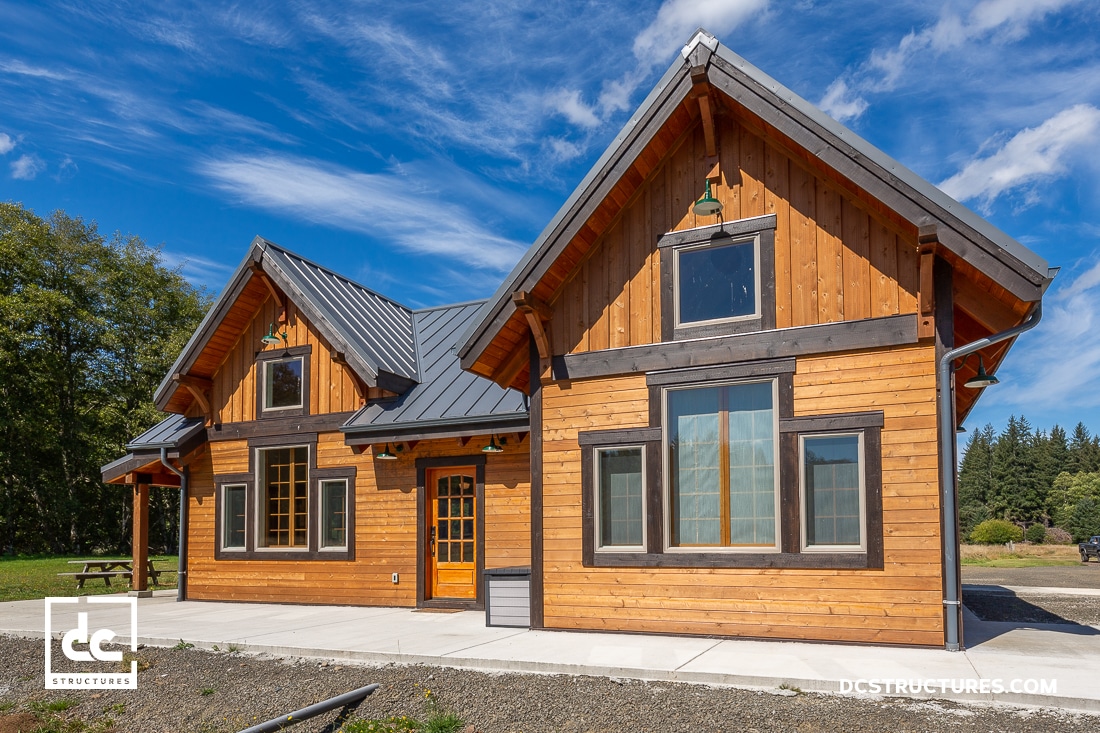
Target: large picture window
x,y
620,504
284,481
722,455
717,282
283,383
833,501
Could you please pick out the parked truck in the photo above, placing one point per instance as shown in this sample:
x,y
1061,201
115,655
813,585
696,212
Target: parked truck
x,y
1090,549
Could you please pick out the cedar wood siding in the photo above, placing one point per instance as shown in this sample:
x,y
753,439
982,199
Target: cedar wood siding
x,y
835,260
385,494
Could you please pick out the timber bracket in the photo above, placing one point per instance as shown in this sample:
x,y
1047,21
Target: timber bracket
x,y
276,294
200,388
928,243
538,316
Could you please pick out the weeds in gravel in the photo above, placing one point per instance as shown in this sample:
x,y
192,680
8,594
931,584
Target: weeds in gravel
x,y
206,691
6,706
52,706
183,645
233,648
791,688
127,657
402,724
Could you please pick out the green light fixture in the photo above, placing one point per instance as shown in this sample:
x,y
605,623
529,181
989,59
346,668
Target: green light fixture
x,y
708,205
960,429
385,454
981,379
493,447
272,338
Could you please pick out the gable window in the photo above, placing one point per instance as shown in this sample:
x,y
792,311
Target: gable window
x,y
284,482
718,280
722,456
621,488
283,383
233,516
834,503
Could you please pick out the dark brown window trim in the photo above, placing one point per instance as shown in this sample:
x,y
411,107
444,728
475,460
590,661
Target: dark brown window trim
x,y
278,426
820,338
478,461
261,381
313,552
760,228
790,556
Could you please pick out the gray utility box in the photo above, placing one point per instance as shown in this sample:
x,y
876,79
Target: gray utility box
x,y
508,597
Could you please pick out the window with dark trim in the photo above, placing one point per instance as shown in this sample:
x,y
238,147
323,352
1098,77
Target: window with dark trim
x,y
719,279
779,441
282,382
620,505
291,509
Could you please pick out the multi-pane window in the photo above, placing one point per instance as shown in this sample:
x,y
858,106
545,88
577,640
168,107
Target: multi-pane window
x,y
716,283
621,492
455,518
233,516
832,492
722,450
282,383
334,513
285,494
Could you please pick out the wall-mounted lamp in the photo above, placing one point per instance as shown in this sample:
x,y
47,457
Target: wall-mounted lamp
x,y
981,379
960,429
708,205
272,338
493,447
386,454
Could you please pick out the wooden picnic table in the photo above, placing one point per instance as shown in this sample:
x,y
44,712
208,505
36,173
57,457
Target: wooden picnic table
x,y
107,569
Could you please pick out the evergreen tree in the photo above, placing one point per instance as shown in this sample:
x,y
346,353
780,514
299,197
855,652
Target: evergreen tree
x,y
976,469
1017,492
1083,451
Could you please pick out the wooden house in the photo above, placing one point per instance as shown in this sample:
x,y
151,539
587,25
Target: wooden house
x,y
714,377
735,421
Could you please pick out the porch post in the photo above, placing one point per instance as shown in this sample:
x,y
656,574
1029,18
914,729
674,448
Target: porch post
x,y
139,581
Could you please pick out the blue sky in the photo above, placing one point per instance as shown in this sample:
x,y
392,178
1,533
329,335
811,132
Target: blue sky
x,y
201,125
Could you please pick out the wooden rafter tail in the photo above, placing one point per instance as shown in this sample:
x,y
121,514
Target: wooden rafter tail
x,y
928,244
512,366
538,314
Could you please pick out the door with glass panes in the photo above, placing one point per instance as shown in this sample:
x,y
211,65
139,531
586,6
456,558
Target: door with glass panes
x,y
452,546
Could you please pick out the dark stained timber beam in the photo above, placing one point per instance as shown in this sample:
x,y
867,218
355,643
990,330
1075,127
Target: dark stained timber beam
x,y
512,366
825,338
200,390
926,326
276,295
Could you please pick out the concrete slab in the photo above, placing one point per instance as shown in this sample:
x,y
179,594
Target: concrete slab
x,y
1065,654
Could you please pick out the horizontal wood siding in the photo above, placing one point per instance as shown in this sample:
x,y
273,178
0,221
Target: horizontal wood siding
x,y
898,604
385,526
331,389
834,258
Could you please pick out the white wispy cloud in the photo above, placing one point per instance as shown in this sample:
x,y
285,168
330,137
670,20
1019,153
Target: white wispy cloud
x,y
6,144
989,20
27,167
1071,315
376,204
1031,155
196,268
568,103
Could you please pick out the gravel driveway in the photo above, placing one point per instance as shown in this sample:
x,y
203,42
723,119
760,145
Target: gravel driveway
x,y
1085,575
241,690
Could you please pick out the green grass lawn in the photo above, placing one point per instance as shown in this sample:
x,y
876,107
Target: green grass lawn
x,y
25,578
1017,562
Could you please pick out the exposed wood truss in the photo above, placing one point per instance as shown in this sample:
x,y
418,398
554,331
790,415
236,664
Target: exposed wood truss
x,y
926,326
199,387
276,294
538,316
700,89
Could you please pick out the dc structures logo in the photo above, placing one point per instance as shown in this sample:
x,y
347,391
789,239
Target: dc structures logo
x,y
97,668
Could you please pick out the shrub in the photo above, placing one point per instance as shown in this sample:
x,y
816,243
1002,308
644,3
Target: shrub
x,y
996,532
1058,536
970,516
1036,533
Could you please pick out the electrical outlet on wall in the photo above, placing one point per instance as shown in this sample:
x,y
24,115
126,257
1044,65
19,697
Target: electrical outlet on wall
x,y
396,578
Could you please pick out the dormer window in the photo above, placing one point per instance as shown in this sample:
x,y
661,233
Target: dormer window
x,y
282,382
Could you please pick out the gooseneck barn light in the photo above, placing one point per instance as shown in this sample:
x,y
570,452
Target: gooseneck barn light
x,y
272,338
981,379
708,205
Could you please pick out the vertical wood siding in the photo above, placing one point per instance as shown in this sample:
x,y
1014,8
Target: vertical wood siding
x,y
834,259
899,604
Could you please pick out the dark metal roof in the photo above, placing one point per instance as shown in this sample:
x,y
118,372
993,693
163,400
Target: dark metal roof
x,y
375,326
960,229
447,396
168,433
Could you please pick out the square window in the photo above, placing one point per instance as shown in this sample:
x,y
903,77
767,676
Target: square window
x,y
283,383
334,514
834,498
721,466
717,283
620,501
233,517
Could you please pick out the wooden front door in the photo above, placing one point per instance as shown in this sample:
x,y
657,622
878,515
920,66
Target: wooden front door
x,y
452,523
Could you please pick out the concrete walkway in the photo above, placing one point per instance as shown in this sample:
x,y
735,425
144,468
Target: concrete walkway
x,y
1067,654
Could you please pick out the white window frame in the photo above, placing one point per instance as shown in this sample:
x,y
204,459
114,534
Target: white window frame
x,y
667,476
677,251
596,516
261,499
223,524
803,500
301,388
321,546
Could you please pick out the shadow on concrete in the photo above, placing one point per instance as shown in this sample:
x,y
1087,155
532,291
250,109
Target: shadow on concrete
x,y
995,610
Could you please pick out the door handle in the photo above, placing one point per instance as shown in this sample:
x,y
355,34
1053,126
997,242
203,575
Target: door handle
x,y
431,540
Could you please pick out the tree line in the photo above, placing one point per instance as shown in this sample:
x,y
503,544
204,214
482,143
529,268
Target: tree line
x,y
89,325
1028,477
